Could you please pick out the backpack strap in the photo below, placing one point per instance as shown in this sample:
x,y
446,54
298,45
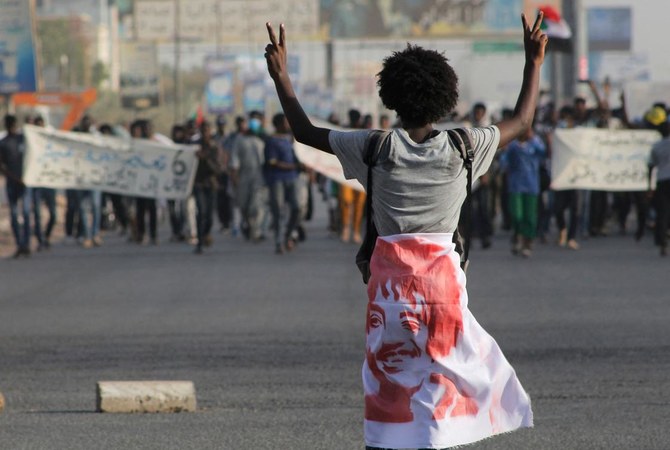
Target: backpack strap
x,y
461,140
374,144
373,148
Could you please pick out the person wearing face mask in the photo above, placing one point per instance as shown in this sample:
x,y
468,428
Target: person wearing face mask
x,y
256,124
246,171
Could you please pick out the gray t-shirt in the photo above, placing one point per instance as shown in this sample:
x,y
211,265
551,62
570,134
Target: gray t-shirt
x,y
417,188
247,158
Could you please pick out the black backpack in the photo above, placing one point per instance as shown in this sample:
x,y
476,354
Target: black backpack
x,y
377,141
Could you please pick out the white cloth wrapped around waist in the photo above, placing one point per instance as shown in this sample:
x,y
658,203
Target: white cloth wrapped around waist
x,y
432,377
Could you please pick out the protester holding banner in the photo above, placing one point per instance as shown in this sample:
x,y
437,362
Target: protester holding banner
x,y
74,216
654,119
48,197
177,209
12,151
73,225
604,160
566,198
141,129
119,202
595,205
90,202
427,382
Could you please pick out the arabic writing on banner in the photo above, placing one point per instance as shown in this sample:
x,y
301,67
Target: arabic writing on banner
x,y
606,160
134,167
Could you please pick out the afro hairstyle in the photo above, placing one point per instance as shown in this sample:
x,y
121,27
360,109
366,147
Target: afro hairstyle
x,y
419,85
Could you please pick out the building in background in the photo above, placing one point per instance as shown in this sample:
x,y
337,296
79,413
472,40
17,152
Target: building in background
x,y
98,21
339,46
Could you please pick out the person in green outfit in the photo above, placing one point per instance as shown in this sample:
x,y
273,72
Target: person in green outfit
x,y
522,161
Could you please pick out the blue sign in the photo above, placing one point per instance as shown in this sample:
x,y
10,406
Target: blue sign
x,y
17,50
609,29
254,94
219,92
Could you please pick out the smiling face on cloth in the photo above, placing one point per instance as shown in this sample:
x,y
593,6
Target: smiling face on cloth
x,y
415,313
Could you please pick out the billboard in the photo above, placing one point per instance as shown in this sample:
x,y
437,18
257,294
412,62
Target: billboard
x,y
139,80
233,20
223,20
609,29
219,91
17,50
420,18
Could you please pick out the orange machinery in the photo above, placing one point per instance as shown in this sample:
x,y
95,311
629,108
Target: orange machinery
x,y
78,103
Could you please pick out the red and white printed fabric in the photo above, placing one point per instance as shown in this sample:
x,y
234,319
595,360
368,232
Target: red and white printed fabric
x,y
433,378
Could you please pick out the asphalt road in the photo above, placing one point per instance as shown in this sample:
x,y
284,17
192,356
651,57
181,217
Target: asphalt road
x,y
274,344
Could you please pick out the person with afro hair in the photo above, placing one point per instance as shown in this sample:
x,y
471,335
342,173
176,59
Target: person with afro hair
x,y
432,376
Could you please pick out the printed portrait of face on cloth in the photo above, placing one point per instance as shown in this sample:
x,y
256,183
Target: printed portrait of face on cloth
x,y
414,321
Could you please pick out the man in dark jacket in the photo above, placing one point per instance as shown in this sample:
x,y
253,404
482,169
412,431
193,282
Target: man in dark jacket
x,y
205,185
12,152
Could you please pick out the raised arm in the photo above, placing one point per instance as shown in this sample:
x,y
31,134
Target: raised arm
x,y
534,41
601,100
303,130
624,113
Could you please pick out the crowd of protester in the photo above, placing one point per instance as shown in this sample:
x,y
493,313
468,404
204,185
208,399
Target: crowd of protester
x,y
251,180
246,178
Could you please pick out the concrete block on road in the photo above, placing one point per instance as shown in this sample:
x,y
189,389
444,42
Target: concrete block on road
x,y
145,396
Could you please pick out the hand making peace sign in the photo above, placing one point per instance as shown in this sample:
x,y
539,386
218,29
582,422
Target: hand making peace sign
x,y
534,40
275,52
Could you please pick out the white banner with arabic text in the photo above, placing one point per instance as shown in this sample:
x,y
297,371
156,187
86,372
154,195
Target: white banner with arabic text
x,y
599,159
134,167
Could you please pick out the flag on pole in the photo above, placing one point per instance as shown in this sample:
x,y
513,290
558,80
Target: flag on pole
x,y
556,28
198,116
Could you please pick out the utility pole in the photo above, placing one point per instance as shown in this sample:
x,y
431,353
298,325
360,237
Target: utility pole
x,y
581,43
177,62
219,30
567,72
